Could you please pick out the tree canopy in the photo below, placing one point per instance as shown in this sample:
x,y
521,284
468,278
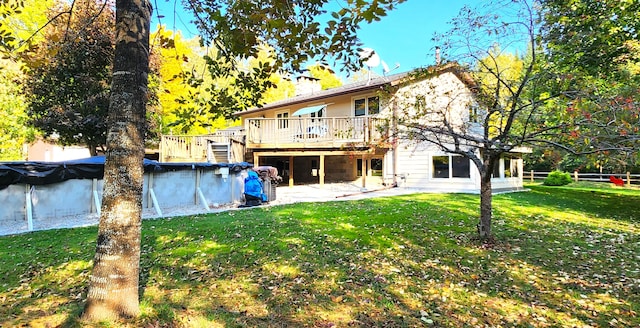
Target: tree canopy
x,y
18,24
594,47
593,37
69,75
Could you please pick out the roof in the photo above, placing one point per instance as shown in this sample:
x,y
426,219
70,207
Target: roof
x,y
371,84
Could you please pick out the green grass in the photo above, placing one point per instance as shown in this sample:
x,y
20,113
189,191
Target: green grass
x,y
564,257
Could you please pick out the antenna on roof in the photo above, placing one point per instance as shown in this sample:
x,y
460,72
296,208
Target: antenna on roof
x,y
385,67
370,59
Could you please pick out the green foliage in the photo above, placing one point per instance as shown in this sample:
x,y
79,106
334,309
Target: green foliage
x,y
593,48
14,132
8,8
70,74
173,56
19,23
293,35
296,33
401,261
588,37
557,178
499,71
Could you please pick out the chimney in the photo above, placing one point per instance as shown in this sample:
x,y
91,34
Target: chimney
x,y
437,55
307,85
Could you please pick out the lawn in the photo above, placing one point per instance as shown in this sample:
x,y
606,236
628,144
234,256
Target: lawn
x,y
564,257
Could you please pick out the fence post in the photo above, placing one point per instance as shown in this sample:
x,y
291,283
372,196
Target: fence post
x,y
531,175
29,207
575,176
628,179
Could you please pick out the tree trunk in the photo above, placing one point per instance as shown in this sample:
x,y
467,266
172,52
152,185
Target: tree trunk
x,y
113,285
484,227
93,150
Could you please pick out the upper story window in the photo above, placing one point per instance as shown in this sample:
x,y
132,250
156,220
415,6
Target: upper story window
x,y
474,113
317,114
283,120
366,106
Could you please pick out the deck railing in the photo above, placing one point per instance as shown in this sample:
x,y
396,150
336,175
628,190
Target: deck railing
x,y
194,148
327,131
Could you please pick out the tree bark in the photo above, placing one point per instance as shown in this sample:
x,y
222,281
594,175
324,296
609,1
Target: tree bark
x,y
486,196
113,285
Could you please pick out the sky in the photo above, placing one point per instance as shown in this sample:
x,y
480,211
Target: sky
x,y
402,37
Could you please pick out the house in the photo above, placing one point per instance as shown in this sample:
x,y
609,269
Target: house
x,y
44,151
346,134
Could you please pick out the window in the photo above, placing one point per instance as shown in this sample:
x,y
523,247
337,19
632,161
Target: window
x,y
283,120
496,169
511,167
376,167
474,116
372,166
373,105
452,166
366,106
317,114
361,107
507,167
441,167
460,167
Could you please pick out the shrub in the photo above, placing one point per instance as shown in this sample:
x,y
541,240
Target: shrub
x,y
557,178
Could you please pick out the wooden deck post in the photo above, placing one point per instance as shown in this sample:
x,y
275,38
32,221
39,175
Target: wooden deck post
x,y
290,171
364,171
321,171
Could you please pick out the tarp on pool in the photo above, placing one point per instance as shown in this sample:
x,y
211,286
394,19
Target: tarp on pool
x,y
41,173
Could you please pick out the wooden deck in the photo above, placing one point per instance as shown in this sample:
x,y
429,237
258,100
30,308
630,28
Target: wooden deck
x,y
316,133
184,148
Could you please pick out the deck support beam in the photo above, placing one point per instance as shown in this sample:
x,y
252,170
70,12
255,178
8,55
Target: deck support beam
x,y
364,171
290,171
321,171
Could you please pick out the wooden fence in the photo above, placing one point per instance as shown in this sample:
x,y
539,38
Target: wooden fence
x,y
628,178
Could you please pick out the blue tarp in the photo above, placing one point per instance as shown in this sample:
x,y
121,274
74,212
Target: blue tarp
x,y
41,173
253,186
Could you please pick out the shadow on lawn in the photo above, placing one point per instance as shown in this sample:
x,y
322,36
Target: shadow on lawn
x,y
402,265
389,262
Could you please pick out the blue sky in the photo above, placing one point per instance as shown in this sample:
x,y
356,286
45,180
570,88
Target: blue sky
x,y
403,36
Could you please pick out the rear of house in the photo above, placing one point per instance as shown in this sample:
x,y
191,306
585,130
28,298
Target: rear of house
x,y
347,134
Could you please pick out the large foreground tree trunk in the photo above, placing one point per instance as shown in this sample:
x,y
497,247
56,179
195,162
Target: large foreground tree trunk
x,y
113,286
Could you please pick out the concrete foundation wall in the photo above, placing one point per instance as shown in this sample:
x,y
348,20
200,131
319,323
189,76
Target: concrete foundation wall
x,y
72,203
